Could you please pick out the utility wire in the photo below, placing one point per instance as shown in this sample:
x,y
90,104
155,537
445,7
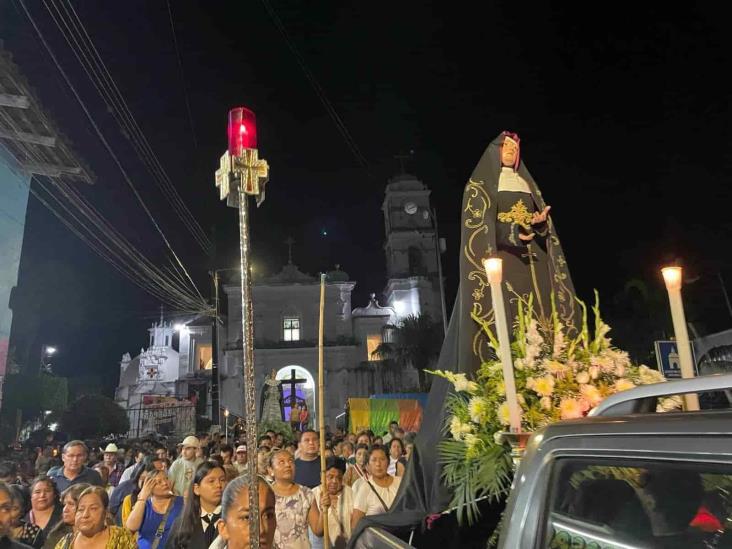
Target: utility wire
x,y
83,48
182,75
335,117
107,146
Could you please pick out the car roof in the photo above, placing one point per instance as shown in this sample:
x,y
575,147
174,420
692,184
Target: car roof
x,y
708,422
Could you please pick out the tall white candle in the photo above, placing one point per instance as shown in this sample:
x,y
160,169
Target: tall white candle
x,y
672,276
494,270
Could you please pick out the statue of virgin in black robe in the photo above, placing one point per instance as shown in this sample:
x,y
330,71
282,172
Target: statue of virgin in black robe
x,y
504,215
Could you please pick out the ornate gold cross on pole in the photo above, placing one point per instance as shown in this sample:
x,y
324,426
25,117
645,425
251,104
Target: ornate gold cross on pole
x,y
242,174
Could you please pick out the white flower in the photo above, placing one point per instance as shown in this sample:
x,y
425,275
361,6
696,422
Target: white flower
x,y
648,375
498,437
594,372
530,381
583,377
471,441
559,342
458,429
462,384
478,408
503,414
544,386
546,403
623,385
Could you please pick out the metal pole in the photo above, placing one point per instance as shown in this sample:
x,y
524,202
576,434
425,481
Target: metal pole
x,y
321,406
247,327
439,272
215,406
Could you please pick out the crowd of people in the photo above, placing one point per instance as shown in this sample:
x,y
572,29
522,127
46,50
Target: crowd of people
x,y
194,496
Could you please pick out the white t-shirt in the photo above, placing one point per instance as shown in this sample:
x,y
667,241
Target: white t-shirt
x,y
366,501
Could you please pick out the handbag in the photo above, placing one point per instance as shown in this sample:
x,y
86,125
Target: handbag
x,y
161,527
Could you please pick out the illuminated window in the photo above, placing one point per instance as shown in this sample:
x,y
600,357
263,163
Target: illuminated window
x,y
372,343
204,357
291,328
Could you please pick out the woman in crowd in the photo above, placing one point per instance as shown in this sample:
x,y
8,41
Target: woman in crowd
x,y
358,470
20,530
91,529
45,510
295,507
234,524
196,527
155,511
340,504
263,455
397,463
376,495
70,501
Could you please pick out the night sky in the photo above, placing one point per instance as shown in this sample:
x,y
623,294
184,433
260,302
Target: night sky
x,y
624,116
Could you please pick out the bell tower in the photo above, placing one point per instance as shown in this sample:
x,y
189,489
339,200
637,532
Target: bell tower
x,y
411,249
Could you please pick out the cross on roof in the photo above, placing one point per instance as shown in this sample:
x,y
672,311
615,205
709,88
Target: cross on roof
x,y
290,241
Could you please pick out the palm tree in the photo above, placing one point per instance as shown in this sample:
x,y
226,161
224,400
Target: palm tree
x,y
416,341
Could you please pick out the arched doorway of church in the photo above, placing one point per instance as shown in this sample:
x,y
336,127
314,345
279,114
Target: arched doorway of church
x,y
298,378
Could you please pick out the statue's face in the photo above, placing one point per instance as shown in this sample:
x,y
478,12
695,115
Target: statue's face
x,y
509,153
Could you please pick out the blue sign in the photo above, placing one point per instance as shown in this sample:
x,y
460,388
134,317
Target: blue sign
x,y
667,356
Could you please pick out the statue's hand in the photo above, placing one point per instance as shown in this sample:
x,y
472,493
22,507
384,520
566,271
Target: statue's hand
x,y
540,217
526,237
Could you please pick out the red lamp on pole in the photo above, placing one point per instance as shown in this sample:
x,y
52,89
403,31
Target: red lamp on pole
x,y
242,131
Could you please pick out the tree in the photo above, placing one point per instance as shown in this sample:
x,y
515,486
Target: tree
x,y
416,341
93,416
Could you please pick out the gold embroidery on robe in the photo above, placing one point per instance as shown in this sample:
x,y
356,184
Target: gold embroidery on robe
x,y
518,214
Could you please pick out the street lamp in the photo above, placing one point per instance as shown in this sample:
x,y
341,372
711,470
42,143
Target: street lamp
x,y
50,350
673,277
47,351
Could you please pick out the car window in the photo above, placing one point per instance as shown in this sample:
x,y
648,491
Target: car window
x,y
634,504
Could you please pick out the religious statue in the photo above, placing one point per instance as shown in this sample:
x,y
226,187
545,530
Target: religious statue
x,y
504,215
272,408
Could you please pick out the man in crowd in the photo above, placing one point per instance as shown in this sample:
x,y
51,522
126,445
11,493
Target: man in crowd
x,y
393,426
241,459
347,452
182,470
127,473
112,463
307,465
74,469
6,519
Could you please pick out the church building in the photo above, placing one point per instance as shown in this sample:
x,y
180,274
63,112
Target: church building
x,y
286,315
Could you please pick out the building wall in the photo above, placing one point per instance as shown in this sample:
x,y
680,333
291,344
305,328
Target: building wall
x,y
13,202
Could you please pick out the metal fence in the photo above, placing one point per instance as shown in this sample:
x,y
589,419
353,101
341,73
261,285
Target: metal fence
x,y
162,420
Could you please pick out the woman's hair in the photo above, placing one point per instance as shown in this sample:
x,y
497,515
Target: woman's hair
x,y
377,448
5,489
401,444
335,462
98,491
148,466
234,488
273,453
47,480
75,491
17,494
190,517
362,447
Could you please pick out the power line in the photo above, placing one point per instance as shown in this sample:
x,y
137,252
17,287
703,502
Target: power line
x,y
350,142
83,48
182,75
107,146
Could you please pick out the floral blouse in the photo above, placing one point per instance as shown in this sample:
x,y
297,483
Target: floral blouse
x,y
119,538
31,535
292,519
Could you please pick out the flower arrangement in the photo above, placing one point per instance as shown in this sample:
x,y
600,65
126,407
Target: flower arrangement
x,y
557,377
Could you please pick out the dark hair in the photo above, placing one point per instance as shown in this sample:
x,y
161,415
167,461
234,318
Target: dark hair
x,y
75,491
234,488
8,469
148,466
226,448
393,423
401,444
190,517
306,431
263,437
5,489
216,458
335,462
361,447
47,480
21,496
377,448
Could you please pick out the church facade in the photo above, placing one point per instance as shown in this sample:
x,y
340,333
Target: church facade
x,y
286,318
